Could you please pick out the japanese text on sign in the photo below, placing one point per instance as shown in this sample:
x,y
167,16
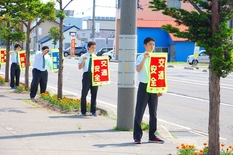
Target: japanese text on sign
x,y
3,56
100,72
157,77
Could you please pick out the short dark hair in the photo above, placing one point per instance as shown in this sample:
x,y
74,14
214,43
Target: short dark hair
x,y
148,39
45,47
90,43
17,45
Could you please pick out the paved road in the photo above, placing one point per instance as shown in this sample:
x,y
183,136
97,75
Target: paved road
x,y
184,107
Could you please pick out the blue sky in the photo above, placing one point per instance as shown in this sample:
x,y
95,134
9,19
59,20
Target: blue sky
x,y
103,7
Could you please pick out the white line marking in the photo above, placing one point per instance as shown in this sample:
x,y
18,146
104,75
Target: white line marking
x,y
174,124
203,100
199,83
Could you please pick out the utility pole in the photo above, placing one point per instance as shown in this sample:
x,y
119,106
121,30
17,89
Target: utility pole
x,y
117,28
93,21
126,65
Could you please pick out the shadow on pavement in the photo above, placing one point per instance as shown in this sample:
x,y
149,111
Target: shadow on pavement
x,y
54,133
115,145
11,110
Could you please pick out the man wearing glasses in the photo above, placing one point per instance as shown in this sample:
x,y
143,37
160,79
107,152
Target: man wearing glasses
x,y
39,72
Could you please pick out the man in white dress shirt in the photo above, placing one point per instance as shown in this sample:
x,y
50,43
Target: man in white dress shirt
x,y
85,63
39,72
15,69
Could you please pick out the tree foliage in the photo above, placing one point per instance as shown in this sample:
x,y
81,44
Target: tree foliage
x,y
12,32
9,32
26,12
199,30
208,27
54,34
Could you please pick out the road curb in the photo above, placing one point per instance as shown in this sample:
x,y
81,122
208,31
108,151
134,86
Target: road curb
x,y
107,111
191,68
162,131
170,66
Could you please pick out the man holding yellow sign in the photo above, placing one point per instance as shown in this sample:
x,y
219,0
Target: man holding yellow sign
x,y
85,63
145,70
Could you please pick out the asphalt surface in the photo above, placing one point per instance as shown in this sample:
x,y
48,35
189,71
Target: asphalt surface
x,y
27,128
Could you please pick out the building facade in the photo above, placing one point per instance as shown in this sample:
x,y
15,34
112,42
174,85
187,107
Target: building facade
x,y
43,30
68,31
149,24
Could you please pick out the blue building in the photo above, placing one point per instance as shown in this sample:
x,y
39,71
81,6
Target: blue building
x,y
178,49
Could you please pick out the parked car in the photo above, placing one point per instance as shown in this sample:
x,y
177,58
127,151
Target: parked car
x,y
110,54
103,50
202,58
78,51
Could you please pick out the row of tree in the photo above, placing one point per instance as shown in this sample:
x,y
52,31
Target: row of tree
x,y
15,15
208,27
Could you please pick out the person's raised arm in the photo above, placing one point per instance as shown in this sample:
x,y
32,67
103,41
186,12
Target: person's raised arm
x,y
80,66
140,66
10,52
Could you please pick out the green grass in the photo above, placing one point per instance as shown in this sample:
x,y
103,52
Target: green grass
x,y
120,129
144,126
177,63
186,63
106,115
30,102
174,136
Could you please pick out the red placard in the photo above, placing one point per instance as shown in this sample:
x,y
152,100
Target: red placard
x,y
157,70
100,71
3,56
22,60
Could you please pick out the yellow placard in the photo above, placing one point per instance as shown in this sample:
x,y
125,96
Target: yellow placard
x,y
22,59
2,56
157,73
100,71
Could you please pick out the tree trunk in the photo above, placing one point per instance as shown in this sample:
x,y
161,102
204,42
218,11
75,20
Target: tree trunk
x,y
60,72
7,57
7,61
214,109
214,91
27,56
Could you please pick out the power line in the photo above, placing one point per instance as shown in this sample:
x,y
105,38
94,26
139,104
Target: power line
x,y
82,12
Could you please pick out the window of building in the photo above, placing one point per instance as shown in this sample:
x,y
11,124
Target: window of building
x,y
174,3
161,49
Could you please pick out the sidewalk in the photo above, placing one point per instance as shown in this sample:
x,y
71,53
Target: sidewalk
x,y
28,129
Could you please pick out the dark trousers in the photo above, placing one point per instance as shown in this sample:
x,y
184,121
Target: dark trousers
x,y
86,86
142,99
38,77
15,74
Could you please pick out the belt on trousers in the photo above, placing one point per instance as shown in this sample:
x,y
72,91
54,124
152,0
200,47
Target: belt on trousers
x,y
15,63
